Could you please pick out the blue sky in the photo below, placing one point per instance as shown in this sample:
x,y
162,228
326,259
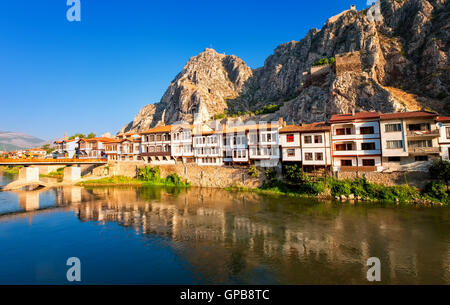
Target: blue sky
x,y
95,75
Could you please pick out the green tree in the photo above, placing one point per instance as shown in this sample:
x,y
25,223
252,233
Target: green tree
x,y
295,174
47,148
91,135
440,170
79,135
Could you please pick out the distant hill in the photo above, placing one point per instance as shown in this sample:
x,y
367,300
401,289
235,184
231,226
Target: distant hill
x,y
14,140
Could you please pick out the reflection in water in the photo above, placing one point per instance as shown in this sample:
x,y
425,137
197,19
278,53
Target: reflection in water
x,y
224,237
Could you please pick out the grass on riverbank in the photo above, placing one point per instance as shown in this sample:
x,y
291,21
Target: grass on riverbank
x,y
359,189
12,170
59,174
172,180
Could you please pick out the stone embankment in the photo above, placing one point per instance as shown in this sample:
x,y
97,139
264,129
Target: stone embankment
x,y
200,176
222,176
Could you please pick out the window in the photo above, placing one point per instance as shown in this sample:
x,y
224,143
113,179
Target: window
x,y
344,147
290,138
319,156
447,132
394,159
343,131
318,139
395,144
420,143
368,146
307,139
368,162
421,158
419,127
346,162
308,156
367,130
291,152
393,127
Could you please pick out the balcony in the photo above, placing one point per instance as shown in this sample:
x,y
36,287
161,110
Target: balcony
x,y
424,150
156,153
358,168
422,133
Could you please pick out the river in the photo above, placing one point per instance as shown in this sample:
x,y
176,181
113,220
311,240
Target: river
x,y
132,235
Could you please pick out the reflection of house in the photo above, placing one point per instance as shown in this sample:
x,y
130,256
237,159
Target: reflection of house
x,y
444,136
409,140
356,142
308,144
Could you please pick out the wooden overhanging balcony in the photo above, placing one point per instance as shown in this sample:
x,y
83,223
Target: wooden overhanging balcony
x,y
155,154
422,133
424,150
358,169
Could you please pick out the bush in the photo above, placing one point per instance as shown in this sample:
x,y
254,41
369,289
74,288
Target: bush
x,y
440,170
436,190
340,187
324,61
295,174
312,188
174,179
150,173
271,176
253,171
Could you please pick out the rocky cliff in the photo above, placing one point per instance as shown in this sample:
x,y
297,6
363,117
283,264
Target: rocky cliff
x,y
203,87
397,63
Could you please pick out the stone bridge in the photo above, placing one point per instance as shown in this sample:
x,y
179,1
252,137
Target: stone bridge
x,y
29,174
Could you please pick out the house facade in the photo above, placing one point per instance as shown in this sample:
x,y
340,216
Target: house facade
x,y
156,145
207,146
410,140
307,144
263,144
356,142
65,149
443,124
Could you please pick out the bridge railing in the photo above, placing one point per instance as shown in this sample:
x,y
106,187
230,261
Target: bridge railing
x,y
38,160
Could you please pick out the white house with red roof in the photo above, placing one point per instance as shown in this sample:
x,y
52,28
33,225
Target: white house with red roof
x,y
409,140
355,142
443,124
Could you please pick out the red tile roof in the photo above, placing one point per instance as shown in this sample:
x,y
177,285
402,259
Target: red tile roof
x,y
356,116
443,119
317,126
409,114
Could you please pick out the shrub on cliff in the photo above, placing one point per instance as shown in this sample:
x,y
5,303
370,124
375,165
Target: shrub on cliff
x,y
174,179
253,171
150,173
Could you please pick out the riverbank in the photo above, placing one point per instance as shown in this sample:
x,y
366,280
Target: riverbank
x,y
124,181
353,190
12,170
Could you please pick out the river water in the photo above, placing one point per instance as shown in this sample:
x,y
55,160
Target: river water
x,y
132,235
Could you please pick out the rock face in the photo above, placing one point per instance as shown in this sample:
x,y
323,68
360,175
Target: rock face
x,y
406,51
203,87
